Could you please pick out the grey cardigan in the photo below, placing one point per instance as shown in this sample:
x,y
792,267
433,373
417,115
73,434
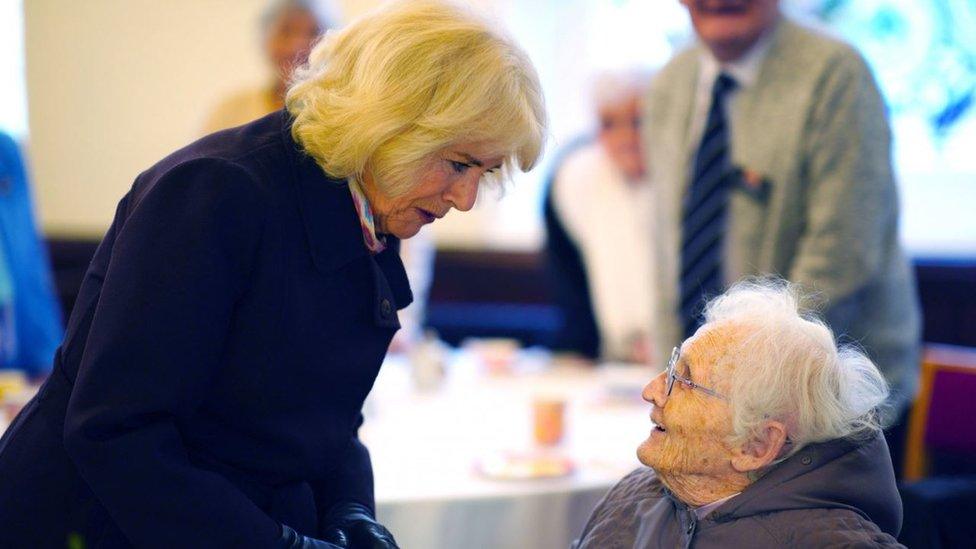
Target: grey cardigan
x,y
838,493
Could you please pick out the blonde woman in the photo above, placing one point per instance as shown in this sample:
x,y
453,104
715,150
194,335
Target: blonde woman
x,y
208,391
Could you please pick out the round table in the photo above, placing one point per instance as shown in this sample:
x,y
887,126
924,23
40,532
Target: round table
x,y
426,446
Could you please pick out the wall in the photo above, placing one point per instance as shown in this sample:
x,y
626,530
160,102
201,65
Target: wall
x,y
115,85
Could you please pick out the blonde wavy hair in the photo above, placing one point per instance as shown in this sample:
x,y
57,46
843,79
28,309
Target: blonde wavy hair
x,y
407,80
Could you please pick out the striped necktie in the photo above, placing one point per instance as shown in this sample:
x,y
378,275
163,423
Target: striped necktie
x,y
703,221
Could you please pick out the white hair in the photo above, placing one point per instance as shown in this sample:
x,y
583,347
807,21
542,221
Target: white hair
x,y
610,87
785,365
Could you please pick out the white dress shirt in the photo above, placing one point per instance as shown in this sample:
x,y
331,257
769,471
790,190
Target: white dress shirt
x,y
745,72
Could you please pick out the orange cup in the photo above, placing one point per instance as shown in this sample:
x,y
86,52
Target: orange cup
x,y
548,420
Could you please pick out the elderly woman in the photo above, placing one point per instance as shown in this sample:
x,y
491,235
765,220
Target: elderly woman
x,y
765,435
597,216
208,391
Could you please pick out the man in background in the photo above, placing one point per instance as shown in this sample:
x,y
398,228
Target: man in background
x,y
769,146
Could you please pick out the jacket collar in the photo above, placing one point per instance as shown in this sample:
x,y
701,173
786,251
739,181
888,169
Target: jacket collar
x,y
333,230
328,212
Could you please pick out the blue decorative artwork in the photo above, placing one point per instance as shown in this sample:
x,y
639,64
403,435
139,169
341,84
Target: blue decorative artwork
x,y
923,53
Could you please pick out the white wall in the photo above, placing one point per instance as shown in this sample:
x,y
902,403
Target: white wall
x,y
115,85
13,93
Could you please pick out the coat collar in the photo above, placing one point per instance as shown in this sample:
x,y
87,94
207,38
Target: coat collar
x,y
332,225
329,215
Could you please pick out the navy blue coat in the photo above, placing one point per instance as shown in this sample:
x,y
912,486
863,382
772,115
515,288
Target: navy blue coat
x,y
211,379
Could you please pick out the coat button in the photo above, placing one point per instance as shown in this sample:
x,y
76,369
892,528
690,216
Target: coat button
x,y
385,307
691,527
806,460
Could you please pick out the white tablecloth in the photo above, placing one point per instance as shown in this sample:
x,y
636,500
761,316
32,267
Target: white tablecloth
x,y
425,447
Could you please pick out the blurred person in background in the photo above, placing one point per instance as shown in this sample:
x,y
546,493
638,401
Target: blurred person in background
x,y
598,229
208,392
769,148
289,29
30,319
765,434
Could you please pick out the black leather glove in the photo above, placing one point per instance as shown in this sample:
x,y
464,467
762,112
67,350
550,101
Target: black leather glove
x,y
290,539
352,526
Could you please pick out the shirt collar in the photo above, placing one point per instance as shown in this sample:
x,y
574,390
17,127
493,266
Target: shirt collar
x,y
744,70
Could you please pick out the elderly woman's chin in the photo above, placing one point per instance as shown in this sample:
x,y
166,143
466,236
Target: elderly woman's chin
x,y
670,456
649,451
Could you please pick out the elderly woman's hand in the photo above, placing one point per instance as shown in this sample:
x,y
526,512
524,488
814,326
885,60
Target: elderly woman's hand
x,y
352,525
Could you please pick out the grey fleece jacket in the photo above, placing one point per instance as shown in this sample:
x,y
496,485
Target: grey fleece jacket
x,y
834,494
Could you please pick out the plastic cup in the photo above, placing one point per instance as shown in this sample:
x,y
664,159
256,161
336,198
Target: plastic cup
x,y
548,420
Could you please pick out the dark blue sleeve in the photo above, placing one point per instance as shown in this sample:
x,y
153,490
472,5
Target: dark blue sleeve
x,y
352,481
179,263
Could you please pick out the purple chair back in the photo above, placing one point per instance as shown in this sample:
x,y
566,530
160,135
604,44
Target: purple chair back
x,y
951,422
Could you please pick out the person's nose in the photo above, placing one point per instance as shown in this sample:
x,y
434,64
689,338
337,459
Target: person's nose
x,y
464,192
654,392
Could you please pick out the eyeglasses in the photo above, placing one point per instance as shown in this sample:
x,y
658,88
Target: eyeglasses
x,y
673,376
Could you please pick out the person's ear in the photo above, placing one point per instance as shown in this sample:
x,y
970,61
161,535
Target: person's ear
x,y
761,450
